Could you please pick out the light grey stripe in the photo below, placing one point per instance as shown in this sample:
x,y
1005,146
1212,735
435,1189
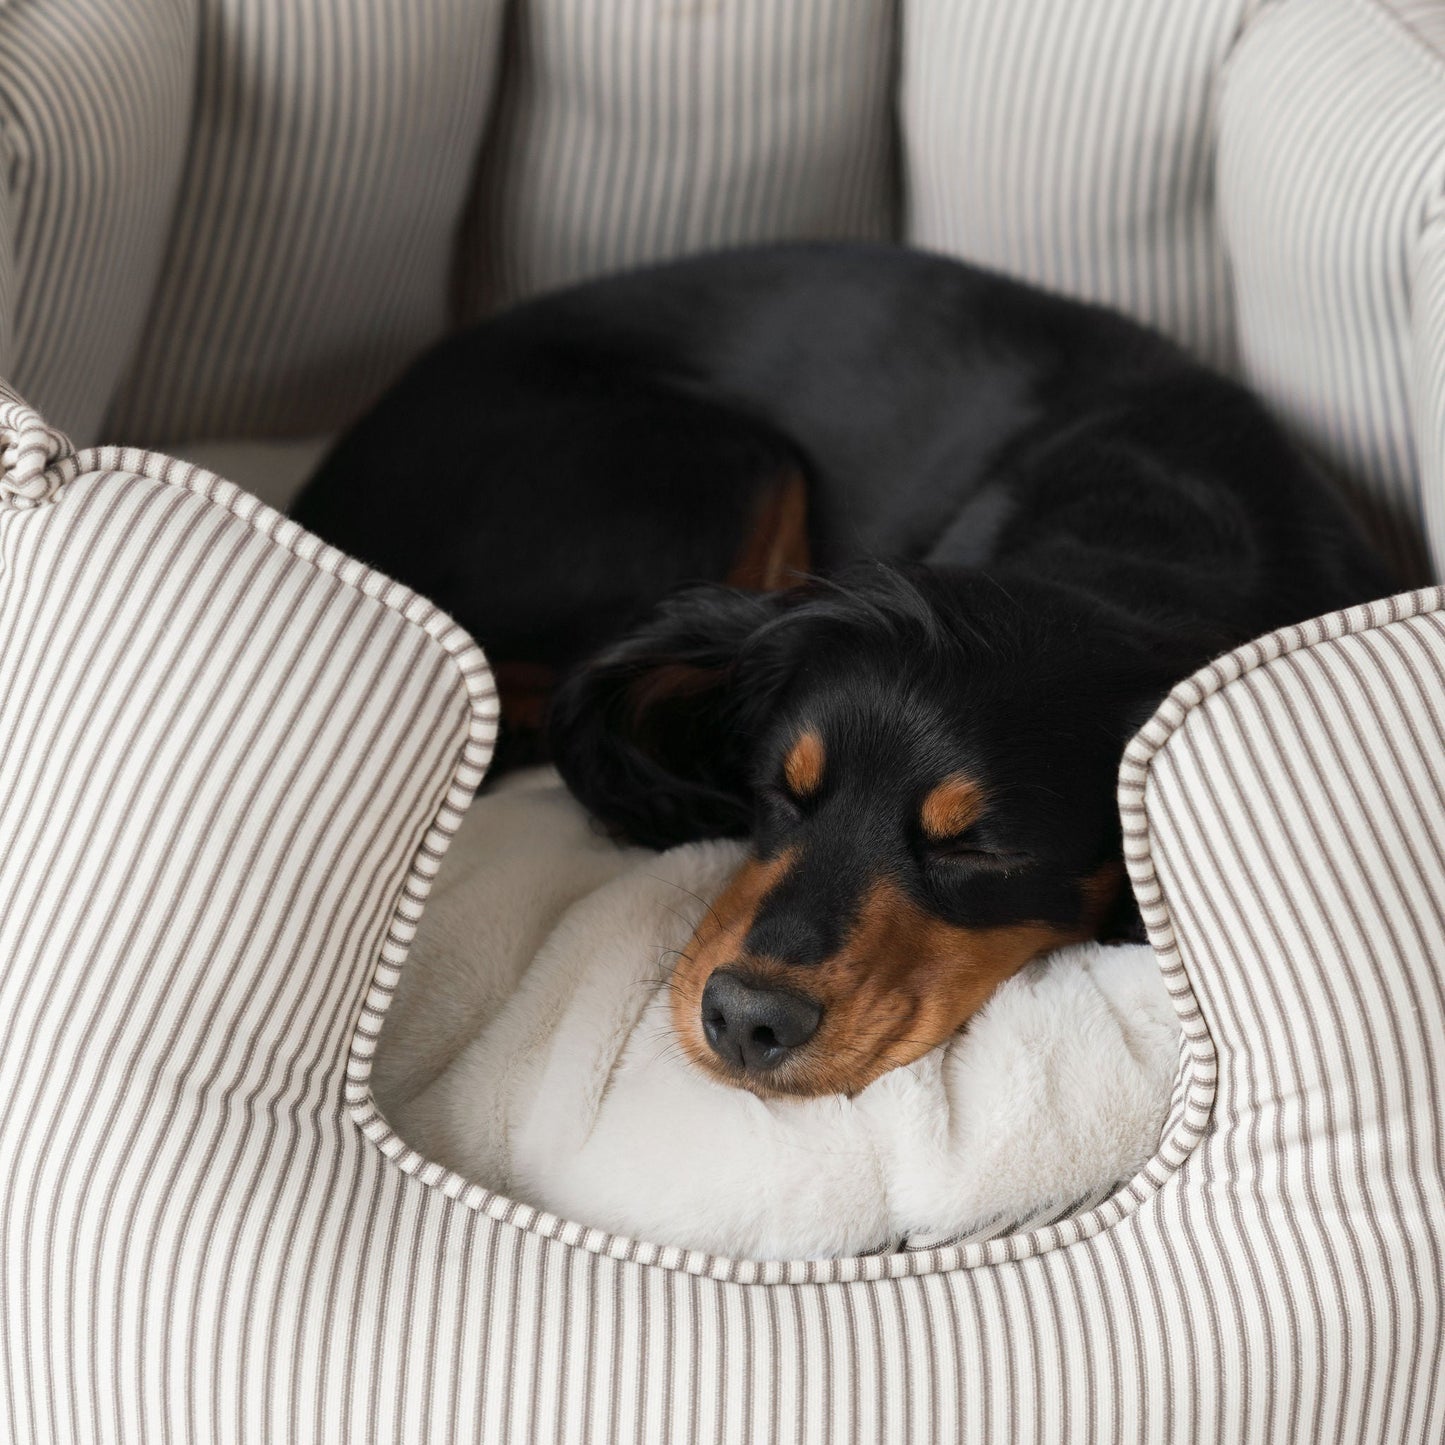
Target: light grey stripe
x,y
1264,1236
34,916
1355,932
361,935
174,1136
1360,941
1417,944
124,1103
7,267
164,565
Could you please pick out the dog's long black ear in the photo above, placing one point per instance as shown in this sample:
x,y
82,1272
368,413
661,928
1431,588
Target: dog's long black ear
x,y
653,733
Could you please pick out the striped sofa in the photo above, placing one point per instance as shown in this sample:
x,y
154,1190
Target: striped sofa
x,y
231,758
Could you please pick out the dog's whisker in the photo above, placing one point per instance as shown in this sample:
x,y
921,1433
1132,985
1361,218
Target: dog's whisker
x,y
670,1051
678,955
691,894
681,917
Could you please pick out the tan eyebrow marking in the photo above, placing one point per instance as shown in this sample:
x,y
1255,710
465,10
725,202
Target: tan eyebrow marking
x,y
951,807
803,767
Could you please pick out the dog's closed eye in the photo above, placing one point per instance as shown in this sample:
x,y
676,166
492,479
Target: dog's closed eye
x,y
972,846
950,819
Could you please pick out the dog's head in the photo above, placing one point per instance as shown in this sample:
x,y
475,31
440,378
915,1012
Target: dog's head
x,y
925,765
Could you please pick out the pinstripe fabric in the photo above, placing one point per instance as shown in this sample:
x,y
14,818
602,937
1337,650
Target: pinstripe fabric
x,y
631,131
1072,145
309,254
95,100
1426,372
1293,822
1332,227
230,760
229,763
267,744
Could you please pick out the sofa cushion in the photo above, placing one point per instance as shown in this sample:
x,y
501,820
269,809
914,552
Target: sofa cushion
x,y
1331,174
95,105
1072,145
309,256
632,130
229,759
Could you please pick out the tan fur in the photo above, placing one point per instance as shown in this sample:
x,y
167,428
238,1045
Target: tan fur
x,y
902,983
776,549
950,807
803,766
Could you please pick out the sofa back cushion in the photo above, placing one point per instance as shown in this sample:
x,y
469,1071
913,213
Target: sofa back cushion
x,y
243,217
631,131
1072,145
330,154
1331,177
95,103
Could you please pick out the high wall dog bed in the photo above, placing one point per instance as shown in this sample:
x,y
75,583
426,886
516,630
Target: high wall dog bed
x,y
232,758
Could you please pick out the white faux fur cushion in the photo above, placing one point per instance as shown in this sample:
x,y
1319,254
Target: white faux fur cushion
x,y
530,1049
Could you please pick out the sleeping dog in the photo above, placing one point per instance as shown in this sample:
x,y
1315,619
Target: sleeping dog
x,y
1021,520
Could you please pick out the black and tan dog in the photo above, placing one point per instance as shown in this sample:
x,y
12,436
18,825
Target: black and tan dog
x,y
1025,519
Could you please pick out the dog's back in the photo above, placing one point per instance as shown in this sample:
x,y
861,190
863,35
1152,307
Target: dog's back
x,y
1064,514
549,474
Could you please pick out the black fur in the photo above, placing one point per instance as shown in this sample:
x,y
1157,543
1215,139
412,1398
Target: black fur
x,y
1033,515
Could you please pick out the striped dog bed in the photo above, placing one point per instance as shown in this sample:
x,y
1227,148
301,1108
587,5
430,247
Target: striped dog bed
x,y
231,758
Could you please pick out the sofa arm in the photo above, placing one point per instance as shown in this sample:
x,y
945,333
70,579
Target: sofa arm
x,y
1283,814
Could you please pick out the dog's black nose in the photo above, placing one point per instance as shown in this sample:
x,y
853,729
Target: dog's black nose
x,y
752,1026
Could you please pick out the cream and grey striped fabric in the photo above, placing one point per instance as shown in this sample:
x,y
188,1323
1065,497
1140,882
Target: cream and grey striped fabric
x,y
231,761
95,107
1331,174
309,251
630,131
1072,144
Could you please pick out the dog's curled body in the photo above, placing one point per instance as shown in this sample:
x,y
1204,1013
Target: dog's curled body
x,y
1026,517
